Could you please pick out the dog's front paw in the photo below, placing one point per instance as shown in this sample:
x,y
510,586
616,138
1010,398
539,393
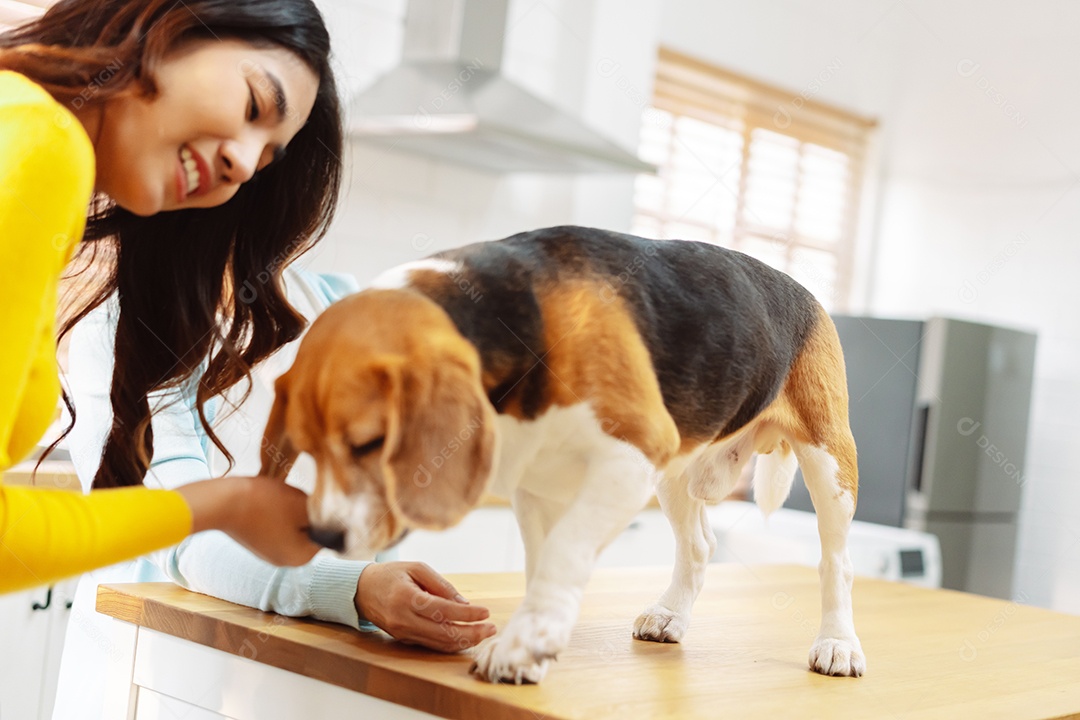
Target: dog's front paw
x,y
835,656
522,651
495,661
660,624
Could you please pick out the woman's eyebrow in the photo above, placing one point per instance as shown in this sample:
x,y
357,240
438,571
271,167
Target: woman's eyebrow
x,y
279,95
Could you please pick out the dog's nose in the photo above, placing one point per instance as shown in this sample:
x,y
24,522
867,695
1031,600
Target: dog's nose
x,y
328,538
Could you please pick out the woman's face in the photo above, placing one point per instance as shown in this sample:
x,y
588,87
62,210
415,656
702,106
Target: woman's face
x,y
224,109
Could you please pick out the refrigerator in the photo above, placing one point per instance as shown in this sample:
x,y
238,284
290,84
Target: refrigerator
x,y
939,410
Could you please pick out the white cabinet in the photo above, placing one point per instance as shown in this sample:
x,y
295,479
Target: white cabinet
x,y
32,627
24,633
161,677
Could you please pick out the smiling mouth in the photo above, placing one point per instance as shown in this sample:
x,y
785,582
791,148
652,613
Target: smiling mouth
x,y
191,171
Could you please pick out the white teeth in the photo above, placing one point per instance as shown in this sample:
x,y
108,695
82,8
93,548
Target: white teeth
x,y
191,168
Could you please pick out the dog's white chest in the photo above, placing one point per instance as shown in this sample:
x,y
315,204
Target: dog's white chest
x,y
550,456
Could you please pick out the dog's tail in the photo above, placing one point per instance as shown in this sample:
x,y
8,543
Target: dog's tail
x,y
773,475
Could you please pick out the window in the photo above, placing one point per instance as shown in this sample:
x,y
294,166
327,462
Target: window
x,y
15,12
747,166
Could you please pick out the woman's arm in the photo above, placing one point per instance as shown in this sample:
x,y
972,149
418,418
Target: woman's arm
x,y
52,534
46,176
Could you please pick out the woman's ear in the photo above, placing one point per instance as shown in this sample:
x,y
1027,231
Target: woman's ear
x,y
277,452
440,443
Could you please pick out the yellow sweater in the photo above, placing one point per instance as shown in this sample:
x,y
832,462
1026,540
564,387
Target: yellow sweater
x,y
46,179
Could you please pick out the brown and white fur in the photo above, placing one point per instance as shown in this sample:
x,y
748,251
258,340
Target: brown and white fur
x,y
576,372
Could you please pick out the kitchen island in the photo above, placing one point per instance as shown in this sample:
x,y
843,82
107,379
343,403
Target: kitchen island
x,y
930,654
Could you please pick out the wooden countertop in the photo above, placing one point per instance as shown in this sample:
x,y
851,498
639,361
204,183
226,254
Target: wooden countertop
x,y
57,474
930,653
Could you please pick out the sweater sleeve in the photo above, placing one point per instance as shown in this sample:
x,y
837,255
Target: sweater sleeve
x,y
210,562
52,534
46,177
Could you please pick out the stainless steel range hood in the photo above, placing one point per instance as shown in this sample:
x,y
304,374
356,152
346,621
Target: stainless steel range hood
x,y
448,99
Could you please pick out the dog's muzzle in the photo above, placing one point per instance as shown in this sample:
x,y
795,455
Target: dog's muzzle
x,y
397,541
328,538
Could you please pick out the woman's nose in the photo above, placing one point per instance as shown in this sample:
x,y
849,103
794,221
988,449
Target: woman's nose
x,y
238,162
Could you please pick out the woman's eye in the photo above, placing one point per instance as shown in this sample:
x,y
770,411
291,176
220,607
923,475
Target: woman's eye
x,y
253,111
359,451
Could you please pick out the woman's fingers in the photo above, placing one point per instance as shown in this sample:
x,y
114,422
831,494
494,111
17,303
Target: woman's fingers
x,y
393,595
440,609
433,582
438,600
444,636
276,523
267,517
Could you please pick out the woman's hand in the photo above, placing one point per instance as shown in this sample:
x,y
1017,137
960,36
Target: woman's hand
x,y
415,604
264,515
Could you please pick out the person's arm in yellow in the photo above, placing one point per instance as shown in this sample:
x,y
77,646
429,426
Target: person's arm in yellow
x,y
46,177
51,534
46,535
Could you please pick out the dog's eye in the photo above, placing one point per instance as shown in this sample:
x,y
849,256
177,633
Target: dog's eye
x,y
359,451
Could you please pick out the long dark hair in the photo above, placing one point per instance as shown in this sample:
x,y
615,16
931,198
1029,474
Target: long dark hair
x,y
200,291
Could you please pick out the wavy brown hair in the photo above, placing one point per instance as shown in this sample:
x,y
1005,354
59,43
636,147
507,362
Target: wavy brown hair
x,y
181,324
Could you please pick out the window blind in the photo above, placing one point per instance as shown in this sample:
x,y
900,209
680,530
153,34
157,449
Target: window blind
x,y
745,165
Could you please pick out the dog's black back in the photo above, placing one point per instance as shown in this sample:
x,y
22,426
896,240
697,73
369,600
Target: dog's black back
x,y
722,328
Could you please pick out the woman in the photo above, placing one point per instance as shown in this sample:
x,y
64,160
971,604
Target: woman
x,y
82,108
178,115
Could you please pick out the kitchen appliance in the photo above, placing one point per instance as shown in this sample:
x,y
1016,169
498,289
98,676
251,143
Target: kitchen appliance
x,y
940,411
449,98
746,536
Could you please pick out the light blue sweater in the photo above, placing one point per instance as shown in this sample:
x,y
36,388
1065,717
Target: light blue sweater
x,y
210,562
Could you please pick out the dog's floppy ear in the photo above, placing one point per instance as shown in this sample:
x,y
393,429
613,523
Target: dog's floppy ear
x,y
277,452
440,442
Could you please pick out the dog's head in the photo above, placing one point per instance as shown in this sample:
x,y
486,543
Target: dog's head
x,y
385,394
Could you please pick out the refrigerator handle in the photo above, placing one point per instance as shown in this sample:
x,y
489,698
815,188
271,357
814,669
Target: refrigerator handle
x,y
922,423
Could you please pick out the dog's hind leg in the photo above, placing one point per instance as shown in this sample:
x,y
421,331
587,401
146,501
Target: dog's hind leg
x,y
816,396
668,618
837,650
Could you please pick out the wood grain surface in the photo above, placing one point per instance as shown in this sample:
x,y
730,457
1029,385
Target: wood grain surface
x,y
931,653
58,474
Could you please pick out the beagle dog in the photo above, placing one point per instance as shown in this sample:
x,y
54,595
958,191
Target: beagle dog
x,y
576,372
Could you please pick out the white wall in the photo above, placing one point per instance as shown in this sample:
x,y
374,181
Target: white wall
x,y
979,221
402,207
980,190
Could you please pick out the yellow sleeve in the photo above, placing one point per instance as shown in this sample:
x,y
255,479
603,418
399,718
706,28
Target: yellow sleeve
x,y
46,178
46,535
